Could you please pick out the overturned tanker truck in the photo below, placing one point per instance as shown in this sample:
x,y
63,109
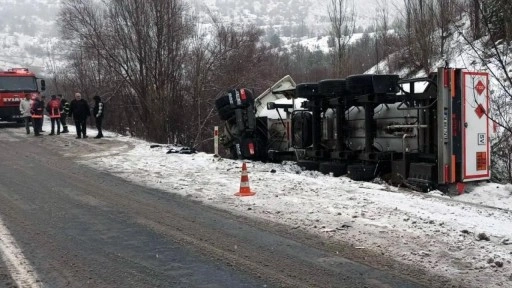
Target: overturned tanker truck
x,y
423,132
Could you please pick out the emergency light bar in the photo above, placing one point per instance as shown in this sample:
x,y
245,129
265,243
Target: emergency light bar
x,y
18,70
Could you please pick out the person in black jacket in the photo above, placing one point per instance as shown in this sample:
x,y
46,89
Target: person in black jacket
x,y
79,110
98,112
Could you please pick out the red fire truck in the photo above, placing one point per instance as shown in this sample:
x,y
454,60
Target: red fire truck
x,y
14,84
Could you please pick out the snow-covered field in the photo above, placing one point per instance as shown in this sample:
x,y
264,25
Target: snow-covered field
x,y
464,237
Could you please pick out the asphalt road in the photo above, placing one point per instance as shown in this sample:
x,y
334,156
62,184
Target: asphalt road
x,y
78,227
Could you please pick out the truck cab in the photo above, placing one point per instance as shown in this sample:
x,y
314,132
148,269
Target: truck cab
x,y
14,84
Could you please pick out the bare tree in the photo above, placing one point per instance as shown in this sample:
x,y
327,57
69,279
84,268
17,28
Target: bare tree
x,y
419,34
491,47
445,13
142,43
342,21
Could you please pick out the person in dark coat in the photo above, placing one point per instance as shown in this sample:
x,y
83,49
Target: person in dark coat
x,y
37,112
98,112
79,110
64,111
53,109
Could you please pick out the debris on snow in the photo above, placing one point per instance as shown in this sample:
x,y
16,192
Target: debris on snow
x,y
483,236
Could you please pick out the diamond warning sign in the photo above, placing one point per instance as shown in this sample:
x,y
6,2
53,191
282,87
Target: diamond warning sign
x,y
480,87
480,111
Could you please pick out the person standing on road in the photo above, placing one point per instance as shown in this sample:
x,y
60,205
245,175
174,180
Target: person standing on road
x,y
53,109
25,107
64,111
79,109
98,111
37,112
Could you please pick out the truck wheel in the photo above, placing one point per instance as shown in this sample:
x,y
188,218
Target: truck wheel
x,y
306,90
233,150
360,84
301,130
337,169
226,113
361,172
249,98
222,101
332,87
308,165
252,148
368,84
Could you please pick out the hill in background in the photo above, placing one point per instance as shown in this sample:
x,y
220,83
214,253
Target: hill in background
x,y
29,35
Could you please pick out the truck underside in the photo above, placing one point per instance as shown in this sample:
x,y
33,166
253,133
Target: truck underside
x,y
421,132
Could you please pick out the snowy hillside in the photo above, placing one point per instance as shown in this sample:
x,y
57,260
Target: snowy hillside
x,y
29,35
27,31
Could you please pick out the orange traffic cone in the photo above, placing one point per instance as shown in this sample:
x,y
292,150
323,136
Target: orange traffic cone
x,y
245,190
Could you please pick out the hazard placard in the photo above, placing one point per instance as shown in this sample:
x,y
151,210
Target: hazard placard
x,y
476,143
481,161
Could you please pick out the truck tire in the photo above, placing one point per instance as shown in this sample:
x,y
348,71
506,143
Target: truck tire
x,y
369,84
309,165
360,84
302,125
306,90
361,172
336,168
249,97
332,87
226,113
222,101
245,149
230,97
233,151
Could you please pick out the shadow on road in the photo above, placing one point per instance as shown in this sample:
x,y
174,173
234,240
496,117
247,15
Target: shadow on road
x,y
11,124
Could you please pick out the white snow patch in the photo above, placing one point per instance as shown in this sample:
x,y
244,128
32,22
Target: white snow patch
x,y
433,231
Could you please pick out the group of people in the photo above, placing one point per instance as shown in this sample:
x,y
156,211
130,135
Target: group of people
x,y
58,109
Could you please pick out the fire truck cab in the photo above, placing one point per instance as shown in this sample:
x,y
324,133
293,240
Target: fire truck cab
x,y
14,84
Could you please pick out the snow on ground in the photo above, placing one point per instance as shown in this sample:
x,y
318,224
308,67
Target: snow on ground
x,y
442,234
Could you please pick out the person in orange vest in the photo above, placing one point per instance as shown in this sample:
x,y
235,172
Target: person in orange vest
x,y
37,115
53,109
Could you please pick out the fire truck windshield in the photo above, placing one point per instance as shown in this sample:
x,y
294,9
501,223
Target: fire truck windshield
x,y
18,84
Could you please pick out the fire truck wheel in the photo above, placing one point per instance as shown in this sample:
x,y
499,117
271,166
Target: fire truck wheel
x,y
337,169
226,112
306,90
308,165
361,172
332,87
